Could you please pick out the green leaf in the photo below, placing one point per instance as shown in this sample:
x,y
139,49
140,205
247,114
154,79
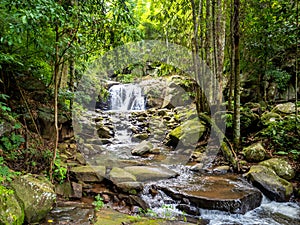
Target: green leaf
x,y
281,153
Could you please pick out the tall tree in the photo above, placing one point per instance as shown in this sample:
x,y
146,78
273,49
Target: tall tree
x,y
236,53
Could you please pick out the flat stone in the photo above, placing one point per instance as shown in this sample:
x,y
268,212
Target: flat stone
x,y
217,192
89,173
118,175
150,173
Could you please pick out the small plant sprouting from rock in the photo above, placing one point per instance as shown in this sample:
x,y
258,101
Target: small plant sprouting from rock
x,y
98,203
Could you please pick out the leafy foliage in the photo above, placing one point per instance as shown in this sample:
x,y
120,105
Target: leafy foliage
x,y
5,173
60,171
98,203
283,136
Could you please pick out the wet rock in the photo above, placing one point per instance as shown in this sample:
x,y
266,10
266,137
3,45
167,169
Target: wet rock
x,y
270,183
118,175
104,132
136,200
88,173
199,167
67,212
142,148
150,173
221,192
11,212
281,167
255,152
36,194
188,209
188,133
221,169
285,108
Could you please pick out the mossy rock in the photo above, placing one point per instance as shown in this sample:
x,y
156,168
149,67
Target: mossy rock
x,y
281,167
188,133
269,117
255,152
36,194
273,186
11,212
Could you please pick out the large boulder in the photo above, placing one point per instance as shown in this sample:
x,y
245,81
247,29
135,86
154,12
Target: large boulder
x,y
187,133
36,194
281,167
273,186
227,193
11,212
285,108
255,152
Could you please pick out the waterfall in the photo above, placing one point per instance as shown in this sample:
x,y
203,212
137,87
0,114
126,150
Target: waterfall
x,y
126,97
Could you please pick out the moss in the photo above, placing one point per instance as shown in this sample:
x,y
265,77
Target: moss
x,y
11,212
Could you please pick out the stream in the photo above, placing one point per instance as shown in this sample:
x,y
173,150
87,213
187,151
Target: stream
x,y
129,99
125,103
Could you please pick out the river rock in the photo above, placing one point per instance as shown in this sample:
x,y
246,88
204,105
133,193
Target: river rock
x,y
150,173
227,193
11,211
88,173
141,136
36,194
142,148
188,133
273,186
255,152
281,167
104,132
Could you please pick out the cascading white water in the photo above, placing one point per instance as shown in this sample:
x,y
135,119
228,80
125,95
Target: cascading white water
x,y
126,97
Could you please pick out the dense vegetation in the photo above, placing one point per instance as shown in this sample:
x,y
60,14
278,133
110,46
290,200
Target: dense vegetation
x,y
46,46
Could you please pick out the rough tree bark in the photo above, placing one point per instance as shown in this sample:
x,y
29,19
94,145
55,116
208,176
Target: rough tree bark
x,y
236,40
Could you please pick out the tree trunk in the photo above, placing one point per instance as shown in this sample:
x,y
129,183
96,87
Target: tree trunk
x,y
71,84
220,28
296,66
236,39
56,83
231,79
